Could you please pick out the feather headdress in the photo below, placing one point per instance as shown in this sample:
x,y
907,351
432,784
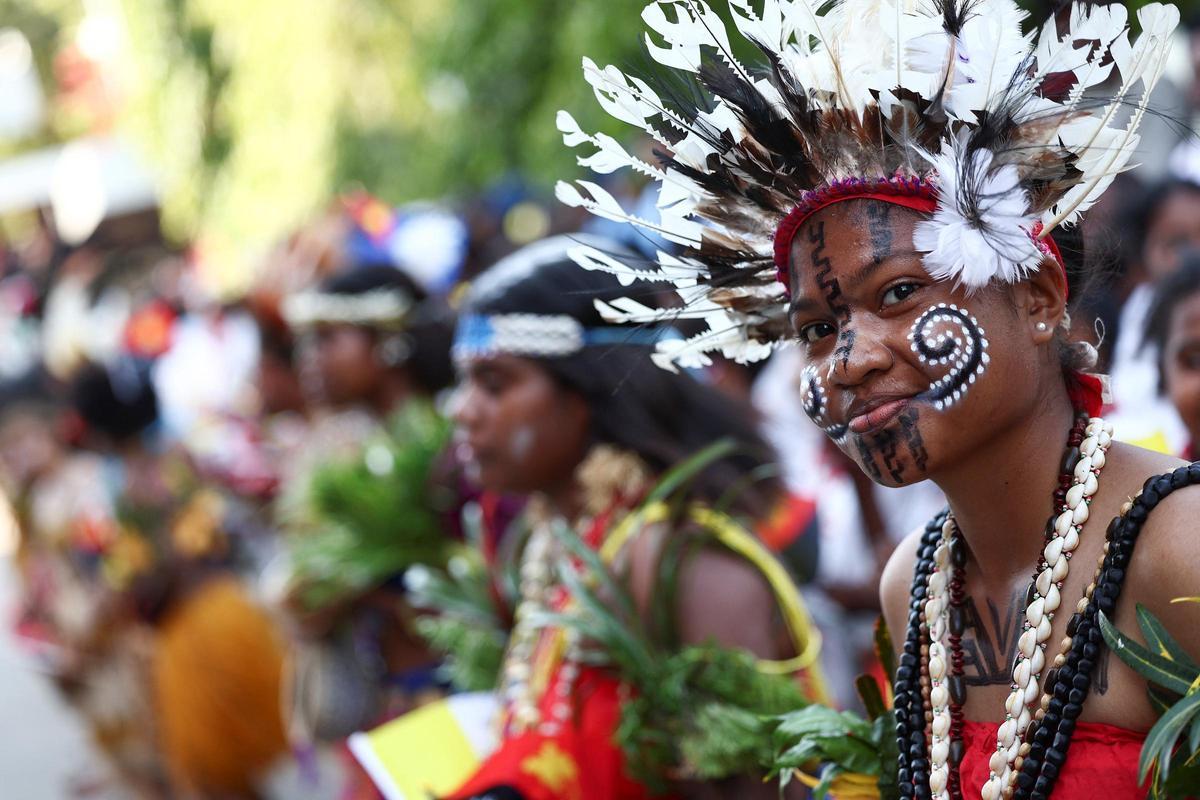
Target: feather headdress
x,y
943,105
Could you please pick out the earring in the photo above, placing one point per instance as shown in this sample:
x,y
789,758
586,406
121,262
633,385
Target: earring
x,y
1041,326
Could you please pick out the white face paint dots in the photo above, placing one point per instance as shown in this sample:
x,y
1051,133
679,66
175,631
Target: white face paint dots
x,y
946,335
815,405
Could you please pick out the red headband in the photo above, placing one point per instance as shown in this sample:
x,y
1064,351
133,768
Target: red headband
x,y
912,193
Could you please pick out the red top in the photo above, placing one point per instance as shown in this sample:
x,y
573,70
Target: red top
x,y
1101,757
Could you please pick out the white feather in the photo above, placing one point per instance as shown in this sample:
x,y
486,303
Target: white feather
x,y
598,261
1142,63
695,26
603,204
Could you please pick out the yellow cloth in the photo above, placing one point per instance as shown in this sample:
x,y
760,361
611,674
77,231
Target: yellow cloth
x,y
430,751
216,672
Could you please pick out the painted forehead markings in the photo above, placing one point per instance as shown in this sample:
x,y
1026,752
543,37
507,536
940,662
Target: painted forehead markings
x,y
946,335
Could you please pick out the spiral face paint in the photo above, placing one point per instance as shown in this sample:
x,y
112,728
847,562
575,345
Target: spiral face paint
x,y
815,405
946,335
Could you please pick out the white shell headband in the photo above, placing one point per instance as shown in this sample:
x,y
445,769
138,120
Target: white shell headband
x,y
999,128
540,336
383,308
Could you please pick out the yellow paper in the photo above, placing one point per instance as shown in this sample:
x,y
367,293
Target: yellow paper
x,y
430,751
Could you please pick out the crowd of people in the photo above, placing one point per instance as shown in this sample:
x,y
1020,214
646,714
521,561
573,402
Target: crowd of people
x,y
432,450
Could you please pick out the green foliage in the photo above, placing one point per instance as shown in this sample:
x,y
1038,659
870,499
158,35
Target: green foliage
x,y
1174,765
699,712
257,113
840,744
373,517
462,625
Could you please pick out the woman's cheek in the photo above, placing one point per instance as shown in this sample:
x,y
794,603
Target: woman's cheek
x,y
952,345
1183,387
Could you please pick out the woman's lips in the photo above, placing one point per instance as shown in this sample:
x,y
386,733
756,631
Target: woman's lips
x,y
879,416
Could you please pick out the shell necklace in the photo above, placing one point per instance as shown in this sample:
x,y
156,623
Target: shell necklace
x,y
1045,598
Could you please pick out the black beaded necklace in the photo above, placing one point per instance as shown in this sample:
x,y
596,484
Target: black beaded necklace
x,y
1068,685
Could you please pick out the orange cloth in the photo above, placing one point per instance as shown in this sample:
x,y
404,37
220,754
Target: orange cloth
x,y
217,671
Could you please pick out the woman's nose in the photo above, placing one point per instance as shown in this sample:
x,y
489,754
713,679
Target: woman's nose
x,y
862,349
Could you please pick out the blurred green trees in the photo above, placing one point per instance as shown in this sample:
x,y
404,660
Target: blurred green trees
x,y
256,112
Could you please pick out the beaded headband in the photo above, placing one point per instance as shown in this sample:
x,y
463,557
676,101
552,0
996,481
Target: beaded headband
x,y
539,336
375,308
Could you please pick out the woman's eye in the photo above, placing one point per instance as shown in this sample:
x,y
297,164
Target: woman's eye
x,y
898,293
815,331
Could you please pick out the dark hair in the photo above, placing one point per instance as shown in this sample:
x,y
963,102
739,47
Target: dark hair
x,y
118,401
1172,290
1144,214
664,417
428,329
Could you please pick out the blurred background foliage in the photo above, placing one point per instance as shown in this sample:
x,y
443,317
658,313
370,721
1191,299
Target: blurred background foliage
x,y
256,112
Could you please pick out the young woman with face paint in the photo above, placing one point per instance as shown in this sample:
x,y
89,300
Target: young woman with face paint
x,y
901,170
556,404
1173,329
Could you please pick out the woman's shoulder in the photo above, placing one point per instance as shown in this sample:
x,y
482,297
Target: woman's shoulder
x,y
895,584
1166,558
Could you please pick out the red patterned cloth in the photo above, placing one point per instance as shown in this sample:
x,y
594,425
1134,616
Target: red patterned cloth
x,y
1102,762
580,762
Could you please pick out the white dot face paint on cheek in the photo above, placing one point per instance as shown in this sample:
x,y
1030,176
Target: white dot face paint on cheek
x,y
520,443
815,404
948,336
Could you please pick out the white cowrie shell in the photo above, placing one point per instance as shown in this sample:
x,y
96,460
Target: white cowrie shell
x,y
1052,553
937,650
1036,662
1028,642
937,582
1090,485
1035,612
1045,580
1014,702
1023,720
937,779
1088,446
939,696
1059,571
1075,495
1063,522
1053,600
1081,513
1031,691
937,668
941,724
1083,468
1007,733
991,789
940,751
933,607
1071,540
1021,674
1043,630
998,762
1104,437
938,629
941,556
1098,459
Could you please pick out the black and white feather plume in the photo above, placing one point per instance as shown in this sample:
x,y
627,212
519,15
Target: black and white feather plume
x,y
1004,125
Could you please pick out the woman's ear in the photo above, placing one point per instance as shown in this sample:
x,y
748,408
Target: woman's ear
x,y
1045,300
